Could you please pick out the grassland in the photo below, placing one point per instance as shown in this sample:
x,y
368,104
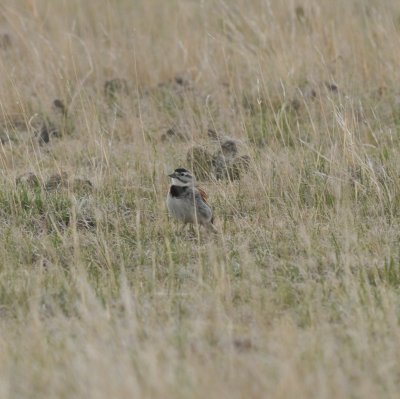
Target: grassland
x,y
101,296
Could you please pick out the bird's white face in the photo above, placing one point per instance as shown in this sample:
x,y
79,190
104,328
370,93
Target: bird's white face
x,y
181,177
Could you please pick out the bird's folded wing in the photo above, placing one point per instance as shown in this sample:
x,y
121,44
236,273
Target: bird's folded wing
x,y
203,195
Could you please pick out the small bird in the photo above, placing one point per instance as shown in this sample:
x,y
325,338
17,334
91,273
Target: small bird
x,y
187,203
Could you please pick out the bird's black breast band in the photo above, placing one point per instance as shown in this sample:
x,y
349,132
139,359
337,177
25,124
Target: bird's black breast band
x,y
177,191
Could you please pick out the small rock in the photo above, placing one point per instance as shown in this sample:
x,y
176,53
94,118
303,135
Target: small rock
x,y
28,180
57,181
59,106
332,87
5,41
382,90
300,14
179,84
161,85
312,94
4,138
307,90
171,134
82,185
64,123
180,80
242,344
44,136
114,90
115,86
46,131
294,105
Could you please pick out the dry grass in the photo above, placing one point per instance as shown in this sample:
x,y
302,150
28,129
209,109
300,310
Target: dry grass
x,y
299,296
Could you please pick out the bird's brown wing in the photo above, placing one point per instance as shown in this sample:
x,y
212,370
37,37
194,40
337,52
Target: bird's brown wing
x,y
203,195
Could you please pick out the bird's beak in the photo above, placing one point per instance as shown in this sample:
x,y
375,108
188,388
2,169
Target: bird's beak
x,y
172,175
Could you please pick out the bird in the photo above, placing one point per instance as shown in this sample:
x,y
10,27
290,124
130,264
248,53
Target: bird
x,y
188,203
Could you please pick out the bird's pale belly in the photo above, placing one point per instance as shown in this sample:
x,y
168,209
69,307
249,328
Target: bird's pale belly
x,y
184,211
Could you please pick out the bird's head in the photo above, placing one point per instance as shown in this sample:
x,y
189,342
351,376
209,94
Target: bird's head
x,y
182,177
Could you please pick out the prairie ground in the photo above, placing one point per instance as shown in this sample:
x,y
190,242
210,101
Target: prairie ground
x,y
102,296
